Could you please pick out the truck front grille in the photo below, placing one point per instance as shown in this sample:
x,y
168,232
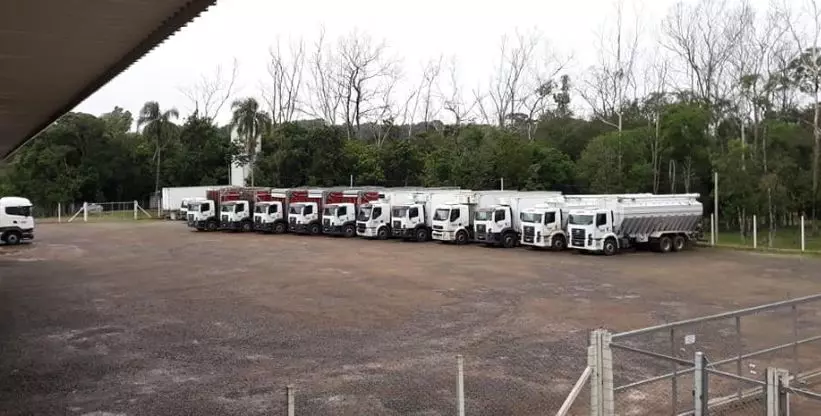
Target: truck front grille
x,y
224,218
528,231
481,228
360,228
257,220
327,222
577,235
438,227
292,220
397,225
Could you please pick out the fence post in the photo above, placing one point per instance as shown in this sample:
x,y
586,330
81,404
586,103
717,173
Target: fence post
x,y
755,232
700,384
778,403
135,210
59,212
289,397
713,229
600,359
460,385
85,211
802,233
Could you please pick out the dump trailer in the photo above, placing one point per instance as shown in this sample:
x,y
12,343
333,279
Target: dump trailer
x,y
499,224
204,215
272,216
545,225
453,221
238,214
414,221
664,222
340,210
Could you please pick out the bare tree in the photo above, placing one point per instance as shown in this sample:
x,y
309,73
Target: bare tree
x,y
452,95
324,100
656,82
282,93
210,92
505,88
365,73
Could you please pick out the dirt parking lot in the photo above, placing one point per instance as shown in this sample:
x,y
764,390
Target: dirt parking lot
x,y
149,318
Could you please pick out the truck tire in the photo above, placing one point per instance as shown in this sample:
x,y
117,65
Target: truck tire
x,y
382,233
679,243
421,235
279,228
508,240
558,243
211,226
314,229
665,244
350,231
610,247
461,237
247,227
12,238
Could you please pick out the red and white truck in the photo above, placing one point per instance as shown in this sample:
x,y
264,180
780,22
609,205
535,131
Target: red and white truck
x,y
203,215
305,217
340,210
272,216
238,214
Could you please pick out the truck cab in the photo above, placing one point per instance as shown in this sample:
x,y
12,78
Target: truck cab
x,y
339,219
408,221
494,225
542,227
202,215
16,220
269,217
453,222
374,220
236,216
589,228
303,217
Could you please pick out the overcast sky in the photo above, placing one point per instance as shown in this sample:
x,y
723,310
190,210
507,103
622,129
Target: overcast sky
x,y
415,32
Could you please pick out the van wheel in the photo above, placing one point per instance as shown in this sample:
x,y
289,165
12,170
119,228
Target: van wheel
x,y
665,244
461,237
679,243
314,229
382,233
508,240
421,234
610,247
558,243
350,231
279,228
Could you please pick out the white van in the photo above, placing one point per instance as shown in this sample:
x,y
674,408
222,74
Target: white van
x,y
16,221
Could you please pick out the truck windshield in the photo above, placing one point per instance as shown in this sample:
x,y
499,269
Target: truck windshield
x,y
272,209
531,217
400,212
328,211
227,208
259,208
484,214
580,219
239,208
364,214
441,214
296,209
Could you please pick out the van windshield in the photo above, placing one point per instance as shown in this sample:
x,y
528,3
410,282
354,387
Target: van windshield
x,y
484,214
580,219
531,217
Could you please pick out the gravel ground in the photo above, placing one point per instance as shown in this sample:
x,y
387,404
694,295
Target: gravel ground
x,y
149,318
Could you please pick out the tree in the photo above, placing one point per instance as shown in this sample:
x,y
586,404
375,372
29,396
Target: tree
x,y
283,94
210,93
156,123
250,124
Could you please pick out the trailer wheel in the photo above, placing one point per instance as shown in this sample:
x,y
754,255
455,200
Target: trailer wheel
x,y
314,229
211,226
508,240
421,234
610,247
279,228
350,231
382,233
558,243
462,237
665,244
679,243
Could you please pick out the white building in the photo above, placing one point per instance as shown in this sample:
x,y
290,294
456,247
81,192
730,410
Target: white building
x,y
240,173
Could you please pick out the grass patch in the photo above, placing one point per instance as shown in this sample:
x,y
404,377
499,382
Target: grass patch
x,y
787,238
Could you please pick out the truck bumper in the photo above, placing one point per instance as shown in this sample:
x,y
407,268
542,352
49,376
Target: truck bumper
x,y
200,225
265,227
298,228
27,234
402,232
535,241
332,229
367,232
230,226
443,235
488,238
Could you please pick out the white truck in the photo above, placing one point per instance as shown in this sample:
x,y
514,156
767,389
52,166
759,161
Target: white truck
x,y
545,225
184,206
665,222
499,224
414,220
454,220
172,198
16,220
272,216
374,218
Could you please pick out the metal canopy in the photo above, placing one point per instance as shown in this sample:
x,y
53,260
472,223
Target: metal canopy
x,y
54,54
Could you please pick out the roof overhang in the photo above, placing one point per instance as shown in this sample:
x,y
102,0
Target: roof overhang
x,y
54,54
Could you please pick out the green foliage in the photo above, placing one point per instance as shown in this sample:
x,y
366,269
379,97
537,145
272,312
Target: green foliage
x,y
601,171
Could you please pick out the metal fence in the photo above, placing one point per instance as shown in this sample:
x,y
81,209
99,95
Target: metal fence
x,y
760,360
90,212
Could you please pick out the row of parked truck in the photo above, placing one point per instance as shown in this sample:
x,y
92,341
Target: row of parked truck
x,y
600,223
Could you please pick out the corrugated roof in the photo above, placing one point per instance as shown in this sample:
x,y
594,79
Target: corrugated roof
x,y
54,54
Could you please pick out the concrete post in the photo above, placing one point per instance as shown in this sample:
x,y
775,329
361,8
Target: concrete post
x,y
460,385
85,211
135,210
59,212
289,397
700,386
802,234
600,359
713,229
755,232
778,403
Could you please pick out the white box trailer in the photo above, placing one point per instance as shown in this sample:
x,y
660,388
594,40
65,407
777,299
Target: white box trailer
x,y
500,224
454,221
545,225
414,221
173,197
665,222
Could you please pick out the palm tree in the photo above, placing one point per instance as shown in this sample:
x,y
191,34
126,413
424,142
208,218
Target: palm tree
x,y
250,124
156,124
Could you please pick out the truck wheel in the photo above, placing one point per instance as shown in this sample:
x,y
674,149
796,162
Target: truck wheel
x,y
350,231
382,233
211,226
462,237
314,229
558,243
509,240
12,238
665,244
679,243
279,228
246,227
610,247
421,234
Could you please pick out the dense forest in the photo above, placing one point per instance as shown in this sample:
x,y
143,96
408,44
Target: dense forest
x,y
724,88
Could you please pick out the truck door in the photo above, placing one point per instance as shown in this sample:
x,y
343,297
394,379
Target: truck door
x,y
413,216
603,223
456,217
501,219
550,223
